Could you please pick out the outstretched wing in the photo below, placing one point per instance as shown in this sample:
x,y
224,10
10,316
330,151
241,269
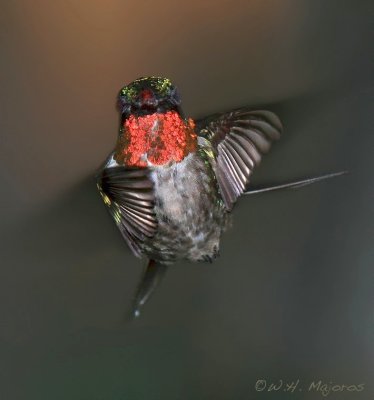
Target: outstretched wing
x,y
128,193
239,139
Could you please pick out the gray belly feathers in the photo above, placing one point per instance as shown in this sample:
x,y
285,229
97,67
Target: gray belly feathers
x,y
190,218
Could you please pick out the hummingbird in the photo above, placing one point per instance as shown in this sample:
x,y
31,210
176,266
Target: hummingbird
x,y
171,183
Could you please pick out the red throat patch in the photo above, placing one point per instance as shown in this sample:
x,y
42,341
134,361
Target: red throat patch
x,y
158,138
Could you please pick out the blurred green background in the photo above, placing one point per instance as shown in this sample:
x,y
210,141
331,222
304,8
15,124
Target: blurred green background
x,y
291,296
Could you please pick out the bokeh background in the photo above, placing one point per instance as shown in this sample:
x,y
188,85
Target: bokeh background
x,y
291,296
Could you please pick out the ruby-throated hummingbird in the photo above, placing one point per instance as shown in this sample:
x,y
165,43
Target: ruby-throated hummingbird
x,y
171,183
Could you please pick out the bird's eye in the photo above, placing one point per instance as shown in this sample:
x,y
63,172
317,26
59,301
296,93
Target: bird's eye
x,y
125,99
174,97
124,104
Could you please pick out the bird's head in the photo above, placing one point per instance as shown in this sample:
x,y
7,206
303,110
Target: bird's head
x,y
153,130
148,95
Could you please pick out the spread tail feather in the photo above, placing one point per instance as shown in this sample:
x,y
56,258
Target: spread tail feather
x,y
296,184
152,277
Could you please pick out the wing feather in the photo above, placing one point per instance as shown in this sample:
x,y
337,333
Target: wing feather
x,y
239,140
129,195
